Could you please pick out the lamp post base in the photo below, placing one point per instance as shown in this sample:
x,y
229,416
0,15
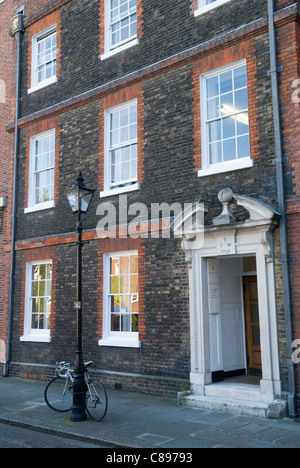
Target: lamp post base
x,y
79,398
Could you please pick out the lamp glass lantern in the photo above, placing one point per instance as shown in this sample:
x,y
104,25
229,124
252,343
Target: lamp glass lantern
x,y
80,196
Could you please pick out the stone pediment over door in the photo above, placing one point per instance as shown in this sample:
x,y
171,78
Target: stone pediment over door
x,y
262,219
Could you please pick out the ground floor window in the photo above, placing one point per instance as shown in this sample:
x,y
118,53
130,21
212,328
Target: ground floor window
x,y
38,301
121,299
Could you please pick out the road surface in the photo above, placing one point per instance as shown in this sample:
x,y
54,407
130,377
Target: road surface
x,y
16,437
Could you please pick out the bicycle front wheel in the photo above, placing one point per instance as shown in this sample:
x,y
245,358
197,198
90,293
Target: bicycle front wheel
x,y
96,400
59,394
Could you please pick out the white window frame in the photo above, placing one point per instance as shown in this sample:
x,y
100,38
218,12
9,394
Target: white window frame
x,y
226,166
32,206
35,85
31,334
109,51
109,338
204,8
125,187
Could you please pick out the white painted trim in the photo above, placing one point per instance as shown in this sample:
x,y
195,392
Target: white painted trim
x,y
120,190
205,8
40,207
37,338
228,166
126,46
121,342
43,85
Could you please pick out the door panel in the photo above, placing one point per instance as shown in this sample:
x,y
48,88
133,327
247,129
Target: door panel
x,y
252,324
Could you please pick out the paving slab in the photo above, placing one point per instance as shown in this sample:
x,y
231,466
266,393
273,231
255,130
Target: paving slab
x,y
141,421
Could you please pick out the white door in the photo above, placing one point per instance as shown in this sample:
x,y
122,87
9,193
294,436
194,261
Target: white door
x,y
232,314
226,316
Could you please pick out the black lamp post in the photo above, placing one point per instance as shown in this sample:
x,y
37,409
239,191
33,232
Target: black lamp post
x,y
79,197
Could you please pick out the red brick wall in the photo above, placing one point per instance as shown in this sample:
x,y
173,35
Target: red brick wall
x,y
289,58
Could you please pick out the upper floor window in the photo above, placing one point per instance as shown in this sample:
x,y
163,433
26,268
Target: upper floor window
x,y
44,51
120,26
207,5
41,172
225,120
121,145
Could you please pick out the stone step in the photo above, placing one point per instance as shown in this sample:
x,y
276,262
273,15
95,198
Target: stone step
x,y
274,410
234,391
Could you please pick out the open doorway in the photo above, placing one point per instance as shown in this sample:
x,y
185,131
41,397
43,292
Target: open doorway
x,y
234,318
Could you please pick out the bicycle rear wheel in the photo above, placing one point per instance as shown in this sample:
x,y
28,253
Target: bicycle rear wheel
x,y
96,401
59,394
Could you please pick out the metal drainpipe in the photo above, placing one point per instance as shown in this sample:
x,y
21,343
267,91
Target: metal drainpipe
x,y
282,209
17,31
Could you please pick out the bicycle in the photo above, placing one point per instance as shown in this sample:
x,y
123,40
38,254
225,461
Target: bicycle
x,y
59,392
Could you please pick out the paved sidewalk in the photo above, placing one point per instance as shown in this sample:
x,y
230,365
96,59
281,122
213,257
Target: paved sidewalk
x,y
142,421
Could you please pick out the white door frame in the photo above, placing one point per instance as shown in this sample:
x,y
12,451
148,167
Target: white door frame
x,y
253,237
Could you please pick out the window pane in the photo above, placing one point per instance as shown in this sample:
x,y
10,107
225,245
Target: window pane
x,y
240,77
126,323
115,323
212,87
229,127
124,284
243,146
229,149
242,124
215,153
114,285
213,108
226,82
215,131
241,100
124,265
133,264
135,323
227,104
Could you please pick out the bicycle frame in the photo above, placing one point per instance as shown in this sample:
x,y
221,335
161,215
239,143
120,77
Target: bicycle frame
x,y
64,371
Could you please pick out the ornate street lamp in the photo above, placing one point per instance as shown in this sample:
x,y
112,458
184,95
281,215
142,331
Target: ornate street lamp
x,y
79,197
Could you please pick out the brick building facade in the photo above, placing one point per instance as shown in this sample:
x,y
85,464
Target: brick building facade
x,y
158,104
7,93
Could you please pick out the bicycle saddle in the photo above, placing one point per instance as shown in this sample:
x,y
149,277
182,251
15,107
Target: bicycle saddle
x,y
88,363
